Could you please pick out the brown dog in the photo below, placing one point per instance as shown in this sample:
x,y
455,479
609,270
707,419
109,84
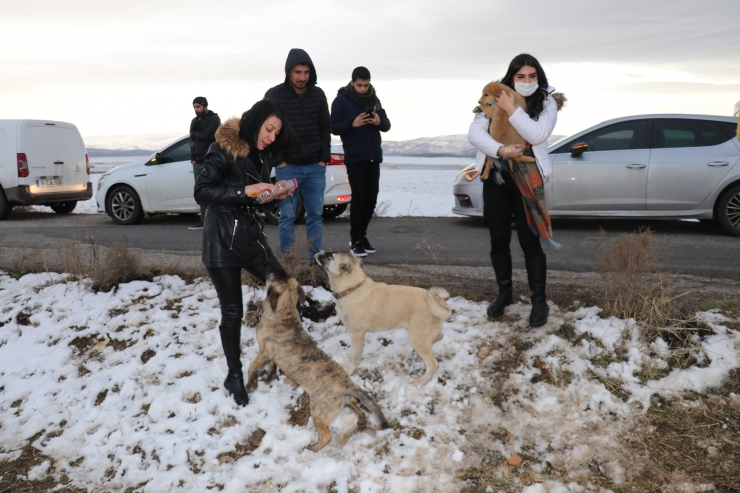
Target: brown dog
x,y
364,305
500,129
284,343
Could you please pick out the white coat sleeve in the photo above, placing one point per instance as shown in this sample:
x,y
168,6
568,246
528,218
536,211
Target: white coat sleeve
x,y
480,138
536,131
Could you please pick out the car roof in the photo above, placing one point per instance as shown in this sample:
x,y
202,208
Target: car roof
x,y
686,116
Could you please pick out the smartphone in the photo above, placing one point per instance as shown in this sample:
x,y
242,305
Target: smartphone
x,y
368,111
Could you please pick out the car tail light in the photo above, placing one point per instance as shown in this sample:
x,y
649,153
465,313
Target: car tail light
x,y
22,165
344,198
87,164
336,159
464,201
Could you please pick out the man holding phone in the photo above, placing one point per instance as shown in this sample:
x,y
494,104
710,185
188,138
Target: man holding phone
x,y
358,118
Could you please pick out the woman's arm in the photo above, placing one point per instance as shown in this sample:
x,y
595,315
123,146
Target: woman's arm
x,y
536,131
480,138
209,188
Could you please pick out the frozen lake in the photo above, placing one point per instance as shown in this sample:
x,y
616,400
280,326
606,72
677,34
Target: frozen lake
x,y
409,185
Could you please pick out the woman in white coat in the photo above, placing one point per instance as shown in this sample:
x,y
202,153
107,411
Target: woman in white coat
x,y
503,200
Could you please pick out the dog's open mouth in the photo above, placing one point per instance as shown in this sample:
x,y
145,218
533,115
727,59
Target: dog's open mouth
x,y
321,256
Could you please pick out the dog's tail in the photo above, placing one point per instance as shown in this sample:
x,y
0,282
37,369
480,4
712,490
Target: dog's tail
x,y
435,298
370,405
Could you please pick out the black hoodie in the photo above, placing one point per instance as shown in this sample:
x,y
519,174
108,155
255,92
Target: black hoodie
x,y
308,114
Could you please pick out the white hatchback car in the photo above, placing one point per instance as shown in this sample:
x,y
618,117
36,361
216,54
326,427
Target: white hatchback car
x,y
646,166
163,183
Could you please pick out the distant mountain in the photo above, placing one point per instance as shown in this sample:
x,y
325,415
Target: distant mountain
x,y
145,144
128,145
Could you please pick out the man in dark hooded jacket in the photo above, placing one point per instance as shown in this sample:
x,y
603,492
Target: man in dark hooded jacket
x,y
358,118
307,110
202,135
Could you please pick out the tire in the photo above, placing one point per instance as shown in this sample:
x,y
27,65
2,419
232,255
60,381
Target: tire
x,y
728,211
123,206
334,211
64,207
5,207
272,215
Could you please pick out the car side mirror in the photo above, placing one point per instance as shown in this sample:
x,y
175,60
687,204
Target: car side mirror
x,y
577,149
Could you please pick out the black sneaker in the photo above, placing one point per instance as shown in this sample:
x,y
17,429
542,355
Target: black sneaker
x,y
196,226
357,249
367,246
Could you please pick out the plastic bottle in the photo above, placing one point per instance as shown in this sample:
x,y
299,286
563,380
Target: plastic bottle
x,y
282,188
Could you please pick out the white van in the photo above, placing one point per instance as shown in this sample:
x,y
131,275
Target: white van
x,y
42,163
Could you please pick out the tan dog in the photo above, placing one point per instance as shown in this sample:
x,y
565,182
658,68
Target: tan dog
x,y
500,129
364,305
284,343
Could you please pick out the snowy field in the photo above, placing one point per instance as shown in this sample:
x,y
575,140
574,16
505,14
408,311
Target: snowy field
x,y
409,186
125,389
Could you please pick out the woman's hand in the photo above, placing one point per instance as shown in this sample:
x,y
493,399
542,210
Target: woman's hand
x,y
511,151
257,188
505,100
362,119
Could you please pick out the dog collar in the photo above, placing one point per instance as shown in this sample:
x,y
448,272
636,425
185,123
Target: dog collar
x,y
348,291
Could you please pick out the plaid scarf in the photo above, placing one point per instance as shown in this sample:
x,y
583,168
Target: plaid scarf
x,y
529,182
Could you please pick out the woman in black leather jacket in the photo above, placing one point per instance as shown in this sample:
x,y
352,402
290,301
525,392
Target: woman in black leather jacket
x,y
238,165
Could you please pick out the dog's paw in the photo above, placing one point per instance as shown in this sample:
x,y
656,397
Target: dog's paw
x,y
420,382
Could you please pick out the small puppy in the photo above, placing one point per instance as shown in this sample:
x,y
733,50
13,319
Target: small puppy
x,y
285,344
364,305
500,129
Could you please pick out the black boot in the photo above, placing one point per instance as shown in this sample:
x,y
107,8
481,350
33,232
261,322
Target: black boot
x,y
537,276
502,268
234,383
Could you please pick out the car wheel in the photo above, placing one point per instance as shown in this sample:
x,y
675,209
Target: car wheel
x,y
124,206
334,211
728,211
64,207
5,206
272,212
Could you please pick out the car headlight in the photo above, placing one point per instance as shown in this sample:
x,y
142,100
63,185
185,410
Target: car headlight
x,y
102,179
467,176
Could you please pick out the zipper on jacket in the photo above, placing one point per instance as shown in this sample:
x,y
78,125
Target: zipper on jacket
x,y
236,223
369,144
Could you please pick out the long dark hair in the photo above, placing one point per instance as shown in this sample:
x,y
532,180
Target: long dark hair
x,y
535,102
251,123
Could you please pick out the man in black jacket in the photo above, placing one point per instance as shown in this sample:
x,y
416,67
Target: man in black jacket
x,y
307,110
358,118
202,135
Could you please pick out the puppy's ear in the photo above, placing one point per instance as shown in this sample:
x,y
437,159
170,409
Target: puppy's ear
x,y
301,295
272,297
345,267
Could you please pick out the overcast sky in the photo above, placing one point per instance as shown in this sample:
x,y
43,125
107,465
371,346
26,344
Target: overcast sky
x,y
134,67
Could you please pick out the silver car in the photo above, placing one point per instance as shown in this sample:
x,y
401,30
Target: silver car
x,y
649,166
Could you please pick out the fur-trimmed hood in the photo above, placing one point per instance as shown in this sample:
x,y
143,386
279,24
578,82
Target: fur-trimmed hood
x,y
228,138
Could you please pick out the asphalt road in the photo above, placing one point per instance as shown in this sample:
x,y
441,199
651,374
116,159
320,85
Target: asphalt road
x,y
691,248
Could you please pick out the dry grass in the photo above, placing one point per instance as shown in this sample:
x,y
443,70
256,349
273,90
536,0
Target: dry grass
x,y
381,209
632,288
296,262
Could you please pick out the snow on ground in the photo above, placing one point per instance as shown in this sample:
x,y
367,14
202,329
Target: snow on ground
x,y
131,380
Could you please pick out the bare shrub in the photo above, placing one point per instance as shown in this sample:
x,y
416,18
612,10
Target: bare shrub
x,y
381,209
28,261
632,289
296,262
119,265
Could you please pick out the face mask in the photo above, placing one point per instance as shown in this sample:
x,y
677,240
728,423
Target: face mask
x,y
526,89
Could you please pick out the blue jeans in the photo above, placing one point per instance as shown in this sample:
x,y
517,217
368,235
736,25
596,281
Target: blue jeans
x,y
311,184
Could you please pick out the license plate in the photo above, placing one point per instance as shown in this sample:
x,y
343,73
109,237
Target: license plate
x,y
52,182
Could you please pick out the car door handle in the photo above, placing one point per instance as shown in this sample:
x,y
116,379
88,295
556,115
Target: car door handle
x,y
58,162
718,163
636,166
